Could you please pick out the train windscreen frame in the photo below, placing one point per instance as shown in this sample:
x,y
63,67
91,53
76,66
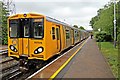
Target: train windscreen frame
x,y
26,28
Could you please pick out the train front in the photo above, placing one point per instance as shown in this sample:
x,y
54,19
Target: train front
x,y
26,37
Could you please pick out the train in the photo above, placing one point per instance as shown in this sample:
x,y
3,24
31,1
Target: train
x,y
35,38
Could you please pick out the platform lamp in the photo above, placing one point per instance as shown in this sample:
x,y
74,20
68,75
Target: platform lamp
x,y
99,40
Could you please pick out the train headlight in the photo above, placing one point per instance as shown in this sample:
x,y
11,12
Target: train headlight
x,y
13,48
38,50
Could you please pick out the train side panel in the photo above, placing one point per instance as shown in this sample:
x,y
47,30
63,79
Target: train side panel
x,y
68,36
58,38
55,39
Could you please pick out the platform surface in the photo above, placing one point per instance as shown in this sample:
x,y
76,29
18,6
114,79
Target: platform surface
x,y
88,63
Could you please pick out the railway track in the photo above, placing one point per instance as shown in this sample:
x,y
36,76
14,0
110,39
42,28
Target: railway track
x,y
24,75
8,66
3,53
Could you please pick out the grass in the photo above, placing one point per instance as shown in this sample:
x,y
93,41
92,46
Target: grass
x,y
111,54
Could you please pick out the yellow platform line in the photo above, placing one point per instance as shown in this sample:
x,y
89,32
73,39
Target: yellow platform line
x,y
55,74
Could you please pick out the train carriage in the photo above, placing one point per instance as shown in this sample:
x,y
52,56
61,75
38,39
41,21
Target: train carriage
x,y
35,36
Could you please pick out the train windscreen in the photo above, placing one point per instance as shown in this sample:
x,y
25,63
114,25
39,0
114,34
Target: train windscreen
x,y
13,28
38,25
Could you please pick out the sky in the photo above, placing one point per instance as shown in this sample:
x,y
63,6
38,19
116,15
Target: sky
x,y
73,12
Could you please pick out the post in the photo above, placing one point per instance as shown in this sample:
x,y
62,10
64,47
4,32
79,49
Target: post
x,y
114,24
99,40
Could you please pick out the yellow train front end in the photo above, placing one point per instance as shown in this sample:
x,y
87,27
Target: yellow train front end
x,y
26,36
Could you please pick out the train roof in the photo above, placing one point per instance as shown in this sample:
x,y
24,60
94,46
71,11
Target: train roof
x,y
48,19
57,21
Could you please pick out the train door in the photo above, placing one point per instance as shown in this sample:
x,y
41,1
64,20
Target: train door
x,y
72,36
58,38
25,40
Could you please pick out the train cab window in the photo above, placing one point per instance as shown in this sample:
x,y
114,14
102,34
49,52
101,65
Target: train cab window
x,y
38,28
13,26
53,33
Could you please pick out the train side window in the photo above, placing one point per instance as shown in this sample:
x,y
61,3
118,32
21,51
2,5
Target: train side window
x,y
67,34
53,33
76,34
57,33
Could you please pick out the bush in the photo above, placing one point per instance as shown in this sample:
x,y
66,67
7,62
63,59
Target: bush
x,y
5,40
4,37
102,36
118,37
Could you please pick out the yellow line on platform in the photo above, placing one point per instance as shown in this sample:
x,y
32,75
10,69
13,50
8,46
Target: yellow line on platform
x,y
55,74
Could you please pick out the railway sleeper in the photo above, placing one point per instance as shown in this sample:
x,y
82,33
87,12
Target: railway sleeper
x,y
6,60
4,54
9,71
8,65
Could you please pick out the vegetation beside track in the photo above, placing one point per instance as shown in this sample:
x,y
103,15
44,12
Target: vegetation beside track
x,y
102,23
3,16
111,55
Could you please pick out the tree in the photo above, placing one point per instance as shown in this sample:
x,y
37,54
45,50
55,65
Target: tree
x,y
104,19
75,26
92,22
4,13
0,22
118,21
82,28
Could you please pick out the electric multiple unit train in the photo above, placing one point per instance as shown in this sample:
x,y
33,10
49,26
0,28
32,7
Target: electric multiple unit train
x,y
35,37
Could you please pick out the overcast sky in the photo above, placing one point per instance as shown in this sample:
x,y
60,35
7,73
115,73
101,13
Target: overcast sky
x,y
77,12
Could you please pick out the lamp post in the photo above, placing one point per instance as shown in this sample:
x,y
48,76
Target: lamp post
x,y
114,24
99,40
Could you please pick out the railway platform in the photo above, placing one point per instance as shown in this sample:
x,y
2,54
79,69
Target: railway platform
x,y
86,63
